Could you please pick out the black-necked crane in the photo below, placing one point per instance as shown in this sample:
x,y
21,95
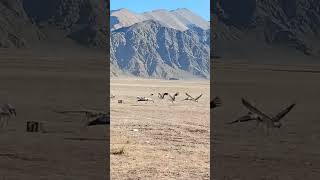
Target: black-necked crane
x,y
89,114
161,96
6,112
190,98
216,102
102,119
146,99
255,114
173,97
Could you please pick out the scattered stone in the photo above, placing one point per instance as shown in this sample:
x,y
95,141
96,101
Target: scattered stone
x,y
34,126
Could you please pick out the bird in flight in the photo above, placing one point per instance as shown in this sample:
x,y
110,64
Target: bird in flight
x,y
100,120
161,96
216,102
89,114
190,98
144,99
173,97
255,114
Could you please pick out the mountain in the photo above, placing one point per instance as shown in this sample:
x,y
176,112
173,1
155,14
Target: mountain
x,y
124,18
151,49
16,30
181,19
270,31
55,23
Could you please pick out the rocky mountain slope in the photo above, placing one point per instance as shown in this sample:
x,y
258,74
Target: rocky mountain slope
x,y
16,30
181,19
84,21
151,49
267,30
25,23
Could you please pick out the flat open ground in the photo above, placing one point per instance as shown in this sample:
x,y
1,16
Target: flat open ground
x,y
289,153
160,140
36,85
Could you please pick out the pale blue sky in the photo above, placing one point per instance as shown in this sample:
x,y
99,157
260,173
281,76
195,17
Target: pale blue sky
x,y
200,7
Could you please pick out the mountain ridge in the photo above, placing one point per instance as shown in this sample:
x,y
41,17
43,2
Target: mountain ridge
x,y
150,49
274,31
34,24
179,18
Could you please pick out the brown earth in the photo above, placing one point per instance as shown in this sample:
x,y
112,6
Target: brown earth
x,y
160,140
288,153
36,85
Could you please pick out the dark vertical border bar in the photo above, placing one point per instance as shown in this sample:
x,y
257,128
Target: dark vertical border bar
x,y
212,45
54,71
108,85
273,78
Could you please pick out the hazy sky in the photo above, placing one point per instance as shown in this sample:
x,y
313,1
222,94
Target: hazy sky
x,y
200,7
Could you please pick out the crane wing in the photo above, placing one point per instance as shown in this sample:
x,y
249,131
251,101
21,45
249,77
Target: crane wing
x,y
254,109
243,119
284,112
198,97
189,96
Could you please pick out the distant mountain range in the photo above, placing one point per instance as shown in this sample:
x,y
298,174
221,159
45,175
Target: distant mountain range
x,y
268,31
31,23
159,44
180,19
165,44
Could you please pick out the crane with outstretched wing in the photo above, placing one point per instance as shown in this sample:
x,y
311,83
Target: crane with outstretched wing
x,y
190,98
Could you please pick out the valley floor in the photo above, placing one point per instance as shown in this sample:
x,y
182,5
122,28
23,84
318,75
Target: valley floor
x,y
288,153
160,140
37,85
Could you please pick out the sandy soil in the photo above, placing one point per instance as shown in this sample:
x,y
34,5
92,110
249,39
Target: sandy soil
x,y
289,153
36,85
160,140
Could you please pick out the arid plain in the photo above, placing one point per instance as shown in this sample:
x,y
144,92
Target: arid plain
x,y
37,84
288,153
160,140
